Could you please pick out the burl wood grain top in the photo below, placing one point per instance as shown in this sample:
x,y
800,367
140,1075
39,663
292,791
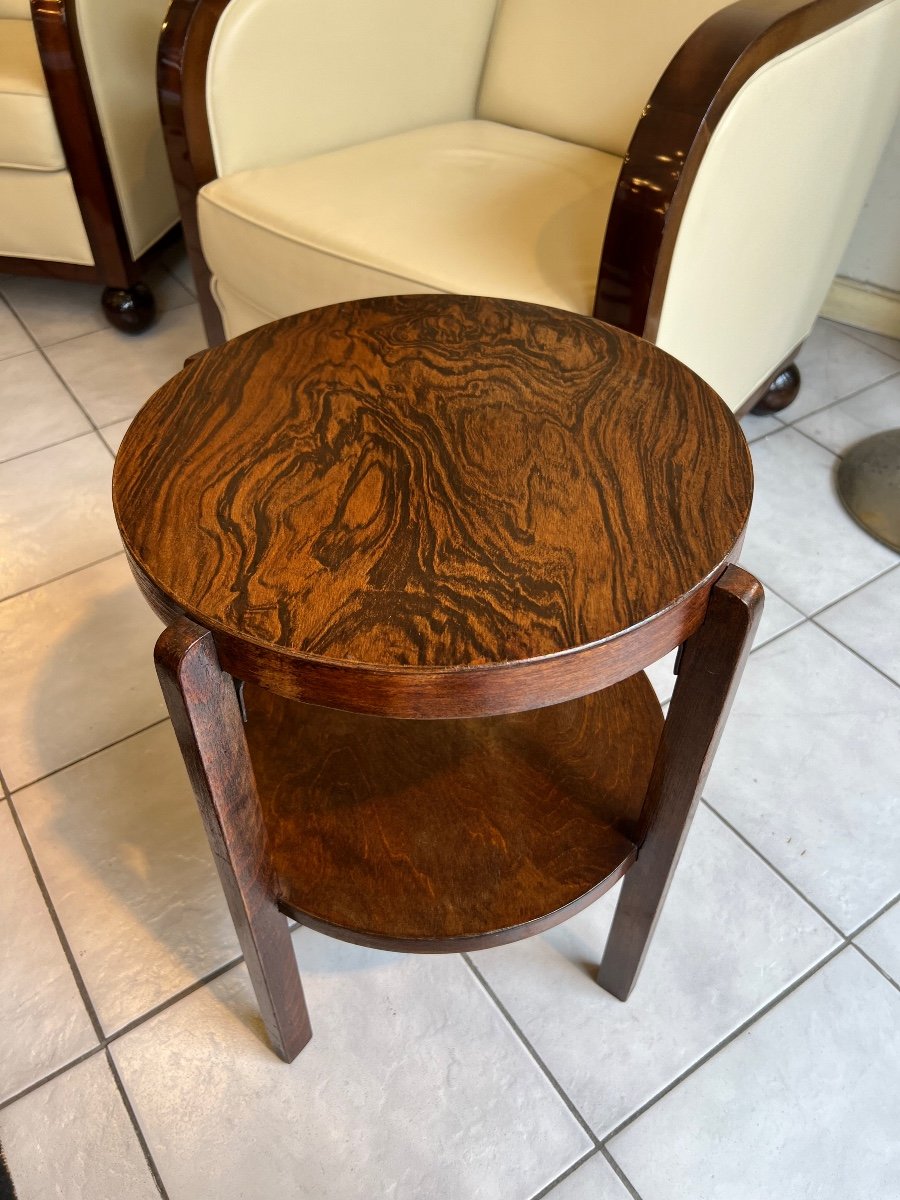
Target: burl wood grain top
x,y
415,486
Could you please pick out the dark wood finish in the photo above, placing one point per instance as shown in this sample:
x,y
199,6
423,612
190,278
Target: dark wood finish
x,y
181,79
434,506
56,30
450,835
203,704
439,506
781,392
129,309
661,163
711,664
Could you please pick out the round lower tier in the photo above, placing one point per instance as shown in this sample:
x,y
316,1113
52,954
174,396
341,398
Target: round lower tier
x,y
436,836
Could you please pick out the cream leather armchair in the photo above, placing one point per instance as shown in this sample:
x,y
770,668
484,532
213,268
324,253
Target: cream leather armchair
x,y
85,189
685,171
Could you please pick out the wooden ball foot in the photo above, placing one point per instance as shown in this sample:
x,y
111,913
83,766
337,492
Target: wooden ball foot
x,y
131,310
781,391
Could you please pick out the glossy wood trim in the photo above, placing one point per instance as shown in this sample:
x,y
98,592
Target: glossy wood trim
x,y
56,28
206,715
709,674
671,138
184,44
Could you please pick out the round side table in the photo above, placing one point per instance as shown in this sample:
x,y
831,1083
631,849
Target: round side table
x,y
413,554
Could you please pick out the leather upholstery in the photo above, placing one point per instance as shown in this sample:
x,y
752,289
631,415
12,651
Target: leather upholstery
x,y
471,206
119,40
331,73
28,136
731,312
15,10
41,218
589,88
346,174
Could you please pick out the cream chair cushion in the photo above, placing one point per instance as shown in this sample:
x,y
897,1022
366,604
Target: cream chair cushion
x,y
469,206
28,137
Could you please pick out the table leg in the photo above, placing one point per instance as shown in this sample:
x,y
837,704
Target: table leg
x,y
710,670
203,704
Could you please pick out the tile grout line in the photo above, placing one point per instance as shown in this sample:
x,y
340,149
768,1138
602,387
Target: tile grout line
x,y
872,963
852,331
856,654
623,1178
859,587
871,920
50,445
775,870
550,1187
65,575
94,426
54,1074
724,1043
838,399
139,1133
90,754
594,1140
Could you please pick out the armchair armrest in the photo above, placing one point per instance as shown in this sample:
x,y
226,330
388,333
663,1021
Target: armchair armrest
x,y
97,57
699,175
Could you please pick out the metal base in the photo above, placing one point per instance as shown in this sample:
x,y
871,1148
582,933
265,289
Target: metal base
x,y
868,483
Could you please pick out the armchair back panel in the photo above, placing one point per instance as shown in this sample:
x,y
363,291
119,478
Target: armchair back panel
x,y
15,9
751,263
582,70
291,78
116,32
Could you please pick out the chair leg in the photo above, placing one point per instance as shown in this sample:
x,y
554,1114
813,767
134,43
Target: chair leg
x,y
710,669
203,704
781,392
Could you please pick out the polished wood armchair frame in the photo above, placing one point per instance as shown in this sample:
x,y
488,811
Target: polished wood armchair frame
x,y
127,301
659,169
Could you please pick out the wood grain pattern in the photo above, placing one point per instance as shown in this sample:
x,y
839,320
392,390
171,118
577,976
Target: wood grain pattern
x,y
203,705
425,494
709,672
450,835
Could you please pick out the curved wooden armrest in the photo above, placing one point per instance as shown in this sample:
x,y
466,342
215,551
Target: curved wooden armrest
x,y
672,136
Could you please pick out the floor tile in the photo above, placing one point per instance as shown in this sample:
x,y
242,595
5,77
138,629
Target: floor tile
x,y
113,434
800,540
594,1180
124,857
56,512
35,408
842,425
755,427
113,374
881,941
778,616
868,622
13,338
413,1086
887,345
732,935
43,1021
803,1104
808,771
77,670
833,365
72,1139
55,310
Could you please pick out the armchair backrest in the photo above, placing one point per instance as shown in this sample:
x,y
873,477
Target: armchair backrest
x,y
328,73
15,10
582,70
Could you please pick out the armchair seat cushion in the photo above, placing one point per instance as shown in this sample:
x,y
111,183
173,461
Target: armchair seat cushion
x,y
470,206
28,137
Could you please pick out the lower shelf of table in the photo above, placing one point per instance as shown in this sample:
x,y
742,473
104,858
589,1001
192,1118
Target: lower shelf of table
x,y
451,835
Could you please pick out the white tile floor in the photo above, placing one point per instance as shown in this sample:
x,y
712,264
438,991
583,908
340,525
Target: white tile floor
x,y
759,1055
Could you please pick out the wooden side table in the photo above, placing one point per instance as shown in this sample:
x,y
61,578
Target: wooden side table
x,y
483,518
